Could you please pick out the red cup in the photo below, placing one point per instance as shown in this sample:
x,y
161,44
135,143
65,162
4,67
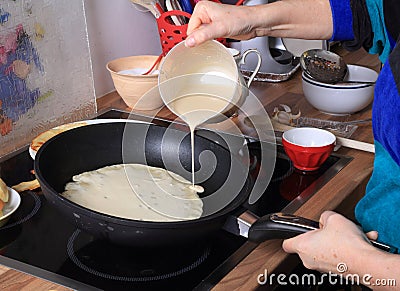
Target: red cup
x,y
308,147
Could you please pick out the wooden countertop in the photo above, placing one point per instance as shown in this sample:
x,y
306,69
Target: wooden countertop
x,y
340,194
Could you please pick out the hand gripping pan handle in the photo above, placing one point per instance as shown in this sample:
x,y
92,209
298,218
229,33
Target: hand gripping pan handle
x,y
283,226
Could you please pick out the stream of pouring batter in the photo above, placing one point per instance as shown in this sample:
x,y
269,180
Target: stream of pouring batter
x,y
196,109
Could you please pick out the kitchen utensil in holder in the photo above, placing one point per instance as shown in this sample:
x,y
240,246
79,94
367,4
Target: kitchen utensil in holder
x,y
171,34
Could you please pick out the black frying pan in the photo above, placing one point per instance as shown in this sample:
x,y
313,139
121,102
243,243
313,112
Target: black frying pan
x,y
91,147
94,146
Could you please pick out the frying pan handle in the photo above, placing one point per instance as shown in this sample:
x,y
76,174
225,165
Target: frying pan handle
x,y
280,226
284,226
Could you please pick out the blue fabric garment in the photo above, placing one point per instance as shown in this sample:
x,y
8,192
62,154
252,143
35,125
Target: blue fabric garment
x,y
379,208
342,20
381,40
385,113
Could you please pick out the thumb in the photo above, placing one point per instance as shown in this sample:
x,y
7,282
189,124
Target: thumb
x,y
373,235
324,218
288,245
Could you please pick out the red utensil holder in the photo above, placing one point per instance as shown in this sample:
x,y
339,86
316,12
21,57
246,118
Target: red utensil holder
x,y
171,34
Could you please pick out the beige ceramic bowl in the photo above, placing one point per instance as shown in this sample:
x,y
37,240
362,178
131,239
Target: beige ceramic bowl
x,y
131,85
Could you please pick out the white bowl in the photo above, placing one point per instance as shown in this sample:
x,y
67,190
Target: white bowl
x,y
341,99
11,206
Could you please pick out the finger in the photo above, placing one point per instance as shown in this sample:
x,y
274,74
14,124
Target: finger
x,y
288,245
203,33
197,37
195,31
199,16
194,23
373,235
190,41
298,242
324,217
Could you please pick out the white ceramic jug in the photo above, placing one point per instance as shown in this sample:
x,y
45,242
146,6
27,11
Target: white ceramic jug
x,y
208,69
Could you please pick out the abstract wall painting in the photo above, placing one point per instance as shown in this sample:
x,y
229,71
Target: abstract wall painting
x,y
45,69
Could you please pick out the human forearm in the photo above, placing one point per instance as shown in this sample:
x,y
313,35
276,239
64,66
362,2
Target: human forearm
x,y
309,19
376,269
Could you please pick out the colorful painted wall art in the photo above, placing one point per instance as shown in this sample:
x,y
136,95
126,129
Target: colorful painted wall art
x,y
45,69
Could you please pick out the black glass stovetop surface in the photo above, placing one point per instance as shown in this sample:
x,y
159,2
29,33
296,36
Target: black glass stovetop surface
x,y
38,240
